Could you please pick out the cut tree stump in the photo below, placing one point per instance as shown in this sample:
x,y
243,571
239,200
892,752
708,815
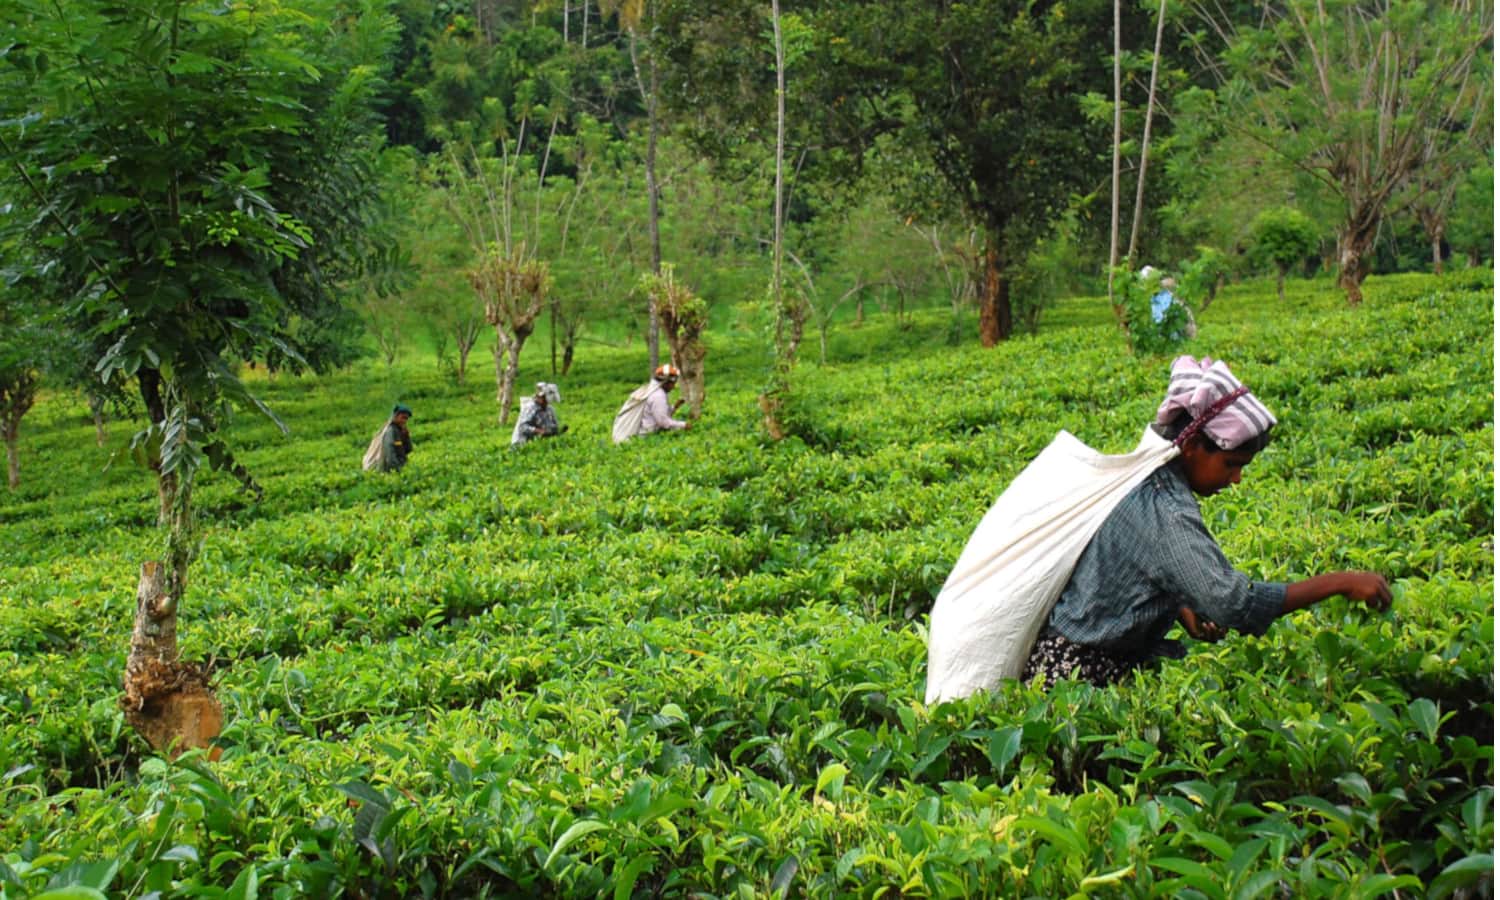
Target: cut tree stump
x,y
770,407
167,701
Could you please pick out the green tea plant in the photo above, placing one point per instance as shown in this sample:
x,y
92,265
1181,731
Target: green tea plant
x,y
693,665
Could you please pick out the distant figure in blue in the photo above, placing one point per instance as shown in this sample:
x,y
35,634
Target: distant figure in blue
x,y
1162,301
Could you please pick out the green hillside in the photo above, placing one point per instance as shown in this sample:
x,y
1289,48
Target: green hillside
x,y
694,665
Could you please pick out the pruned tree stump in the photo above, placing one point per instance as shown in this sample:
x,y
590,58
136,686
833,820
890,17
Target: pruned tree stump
x,y
770,407
168,702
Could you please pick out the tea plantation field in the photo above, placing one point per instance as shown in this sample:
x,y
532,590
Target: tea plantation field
x,y
694,666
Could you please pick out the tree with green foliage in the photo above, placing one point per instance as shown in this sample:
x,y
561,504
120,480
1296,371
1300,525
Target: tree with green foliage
x,y
439,295
638,19
498,204
860,246
1203,276
1284,238
1433,188
987,93
1047,272
200,178
601,254
1359,95
993,90
21,341
1471,224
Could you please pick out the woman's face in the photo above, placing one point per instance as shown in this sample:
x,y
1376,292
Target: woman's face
x,y
1209,471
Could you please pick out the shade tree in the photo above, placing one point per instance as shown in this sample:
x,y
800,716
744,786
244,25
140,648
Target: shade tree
x,y
511,214
198,178
23,341
1283,238
1358,95
1471,223
604,251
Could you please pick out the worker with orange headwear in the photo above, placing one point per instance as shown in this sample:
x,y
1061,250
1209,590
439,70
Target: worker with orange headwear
x,y
646,411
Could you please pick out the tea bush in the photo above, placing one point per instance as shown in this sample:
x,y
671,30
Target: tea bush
x,y
693,665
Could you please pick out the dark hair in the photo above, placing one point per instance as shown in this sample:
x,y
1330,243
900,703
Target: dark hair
x,y
1183,419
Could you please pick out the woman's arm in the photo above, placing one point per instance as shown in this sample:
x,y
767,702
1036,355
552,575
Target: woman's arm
x,y
1369,588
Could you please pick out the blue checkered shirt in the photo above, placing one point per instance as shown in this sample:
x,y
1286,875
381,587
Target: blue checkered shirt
x,y
1151,556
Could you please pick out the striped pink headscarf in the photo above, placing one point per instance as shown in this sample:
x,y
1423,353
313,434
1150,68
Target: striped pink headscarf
x,y
1221,407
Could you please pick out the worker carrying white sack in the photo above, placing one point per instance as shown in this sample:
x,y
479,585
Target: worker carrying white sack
x,y
646,412
1086,561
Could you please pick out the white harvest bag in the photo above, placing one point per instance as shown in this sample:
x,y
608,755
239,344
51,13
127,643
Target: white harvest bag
x,y
628,419
996,599
375,453
515,433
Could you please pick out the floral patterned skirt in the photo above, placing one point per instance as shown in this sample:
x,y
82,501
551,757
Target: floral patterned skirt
x,y
1056,658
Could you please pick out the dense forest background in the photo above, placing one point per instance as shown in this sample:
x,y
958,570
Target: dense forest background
x,y
378,168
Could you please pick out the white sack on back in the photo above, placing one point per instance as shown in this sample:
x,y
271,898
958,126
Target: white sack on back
x,y
516,438
375,453
996,599
628,419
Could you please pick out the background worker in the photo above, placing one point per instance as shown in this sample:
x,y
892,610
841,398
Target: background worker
x,y
646,410
538,418
391,445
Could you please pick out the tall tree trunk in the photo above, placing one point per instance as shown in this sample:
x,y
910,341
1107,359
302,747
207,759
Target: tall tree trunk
x,y
772,400
996,321
1281,283
1140,180
1114,186
150,383
796,325
501,384
653,189
1354,243
513,346
1437,253
776,210
690,361
96,410
12,458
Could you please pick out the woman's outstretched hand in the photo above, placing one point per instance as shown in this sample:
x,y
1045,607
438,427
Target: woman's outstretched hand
x,y
1201,628
1369,588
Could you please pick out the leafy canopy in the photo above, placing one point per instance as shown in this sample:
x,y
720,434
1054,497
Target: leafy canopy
x,y
198,173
